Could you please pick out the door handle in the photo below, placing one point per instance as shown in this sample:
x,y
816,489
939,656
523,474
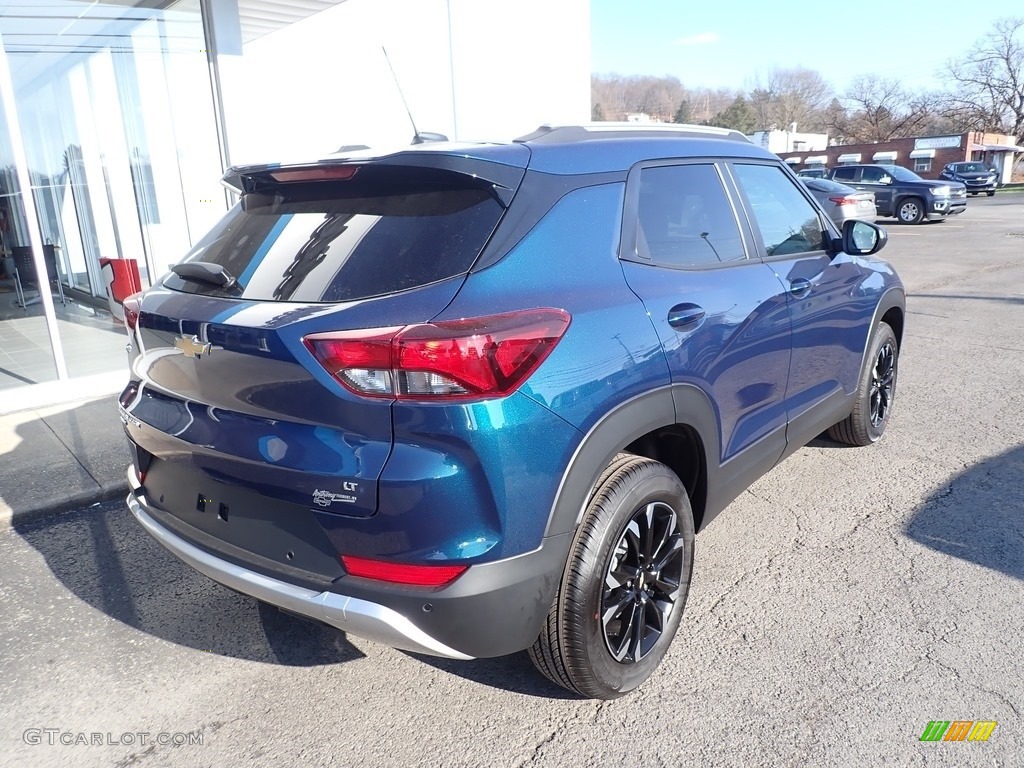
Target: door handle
x,y
685,317
799,287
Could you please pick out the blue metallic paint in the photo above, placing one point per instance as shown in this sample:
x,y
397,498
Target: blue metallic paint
x,y
488,481
831,323
465,482
610,352
739,354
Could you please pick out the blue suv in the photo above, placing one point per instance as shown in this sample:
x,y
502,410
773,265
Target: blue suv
x,y
471,399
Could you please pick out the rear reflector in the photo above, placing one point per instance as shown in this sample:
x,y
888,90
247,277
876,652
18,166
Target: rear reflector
x,y
325,173
132,306
473,358
403,573
127,396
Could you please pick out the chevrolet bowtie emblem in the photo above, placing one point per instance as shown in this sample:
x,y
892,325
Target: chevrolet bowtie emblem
x,y
192,346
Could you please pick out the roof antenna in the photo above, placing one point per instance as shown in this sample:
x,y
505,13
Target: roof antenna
x,y
418,138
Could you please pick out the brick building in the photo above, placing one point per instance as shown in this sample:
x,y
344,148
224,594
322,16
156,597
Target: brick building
x,y
926,155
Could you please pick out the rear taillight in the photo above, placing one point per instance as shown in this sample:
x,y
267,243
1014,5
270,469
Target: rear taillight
x,y
128,394
475,358
844,200
131,310
403,573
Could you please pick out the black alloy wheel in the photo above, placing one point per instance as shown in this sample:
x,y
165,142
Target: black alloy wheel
x,y
876,391
642,582
883,383
624,587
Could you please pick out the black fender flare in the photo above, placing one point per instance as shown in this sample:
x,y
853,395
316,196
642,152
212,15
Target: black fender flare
x,y
894,297
663,407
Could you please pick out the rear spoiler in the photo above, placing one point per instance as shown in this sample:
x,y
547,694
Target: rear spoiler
x,y
500,167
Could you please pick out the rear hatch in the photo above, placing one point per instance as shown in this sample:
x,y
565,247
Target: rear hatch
x,y
241,436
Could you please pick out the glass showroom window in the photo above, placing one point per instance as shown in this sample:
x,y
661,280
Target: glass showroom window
x,y
117,119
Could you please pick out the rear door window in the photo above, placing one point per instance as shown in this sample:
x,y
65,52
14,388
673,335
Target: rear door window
x,y
386,230
685,218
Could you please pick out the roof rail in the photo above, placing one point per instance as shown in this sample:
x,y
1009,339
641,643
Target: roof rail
x,y
557,134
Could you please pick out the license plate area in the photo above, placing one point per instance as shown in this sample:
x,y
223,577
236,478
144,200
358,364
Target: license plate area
x,y
286,534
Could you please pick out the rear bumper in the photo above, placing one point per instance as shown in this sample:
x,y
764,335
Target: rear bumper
x,y
493,609
360,617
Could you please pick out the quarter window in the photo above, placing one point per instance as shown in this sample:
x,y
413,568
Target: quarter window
x,y
845,174
684,217
787,220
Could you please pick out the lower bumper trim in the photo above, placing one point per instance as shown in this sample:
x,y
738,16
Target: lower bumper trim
x,y
349,614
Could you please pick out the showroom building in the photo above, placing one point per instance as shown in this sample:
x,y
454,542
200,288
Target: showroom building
x,y
120,116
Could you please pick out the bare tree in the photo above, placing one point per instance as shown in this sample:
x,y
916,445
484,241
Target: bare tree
x,y
790,96
880,109
619,95
659,97
837,122
990,81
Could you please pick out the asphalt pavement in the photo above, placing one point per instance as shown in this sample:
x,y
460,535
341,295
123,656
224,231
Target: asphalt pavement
x,y
841,604
59,457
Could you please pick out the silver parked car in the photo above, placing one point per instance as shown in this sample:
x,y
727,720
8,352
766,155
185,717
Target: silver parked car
x,y
840,201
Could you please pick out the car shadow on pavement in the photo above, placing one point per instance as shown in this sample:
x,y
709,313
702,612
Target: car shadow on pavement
x,y
824,441
979,515
105,559
514,673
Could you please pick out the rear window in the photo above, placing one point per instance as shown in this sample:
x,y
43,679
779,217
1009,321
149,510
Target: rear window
x,y
387,229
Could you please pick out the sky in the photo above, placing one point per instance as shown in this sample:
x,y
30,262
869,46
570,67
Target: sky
x,y
728,43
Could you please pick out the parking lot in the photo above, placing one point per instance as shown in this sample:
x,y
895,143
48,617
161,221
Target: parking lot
x,y
838,606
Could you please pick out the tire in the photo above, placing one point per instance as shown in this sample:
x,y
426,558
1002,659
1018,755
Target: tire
x,y
876,392
910,210
591,642
990,194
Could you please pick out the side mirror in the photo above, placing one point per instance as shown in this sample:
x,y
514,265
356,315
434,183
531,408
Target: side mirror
x,y
863,238
886,180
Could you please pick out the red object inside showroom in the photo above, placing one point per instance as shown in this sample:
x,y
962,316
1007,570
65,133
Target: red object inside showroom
x,y
122,276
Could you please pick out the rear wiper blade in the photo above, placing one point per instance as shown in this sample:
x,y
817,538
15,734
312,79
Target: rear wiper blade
x,y
206,272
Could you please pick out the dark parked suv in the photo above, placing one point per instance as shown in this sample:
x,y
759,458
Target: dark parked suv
x,y
977,177
470,399
902,194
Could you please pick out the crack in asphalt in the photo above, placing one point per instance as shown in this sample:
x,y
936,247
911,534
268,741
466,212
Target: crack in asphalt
x,y
135,758
764,565
976,686
538,747
774,504
599,708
